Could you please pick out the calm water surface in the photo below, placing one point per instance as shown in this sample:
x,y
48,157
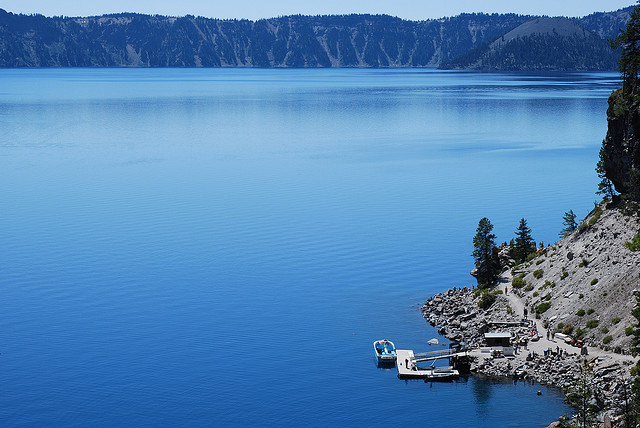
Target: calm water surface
x,y
221,247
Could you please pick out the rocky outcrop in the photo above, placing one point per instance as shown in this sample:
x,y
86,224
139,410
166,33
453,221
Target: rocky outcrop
x,y
622,144
584,286
456,314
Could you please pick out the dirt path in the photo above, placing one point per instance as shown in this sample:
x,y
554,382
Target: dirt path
x,y
543,344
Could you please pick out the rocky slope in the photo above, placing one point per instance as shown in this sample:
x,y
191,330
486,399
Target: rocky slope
x,y
546,360
587,279
133,40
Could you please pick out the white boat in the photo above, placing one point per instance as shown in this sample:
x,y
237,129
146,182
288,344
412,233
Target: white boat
x,y
441,373
385,351
431,373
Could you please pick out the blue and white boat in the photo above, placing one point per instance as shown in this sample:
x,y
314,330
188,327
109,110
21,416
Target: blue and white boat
x,y
385,351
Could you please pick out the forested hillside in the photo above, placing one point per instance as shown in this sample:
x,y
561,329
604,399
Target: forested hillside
x,y
134,40
542,44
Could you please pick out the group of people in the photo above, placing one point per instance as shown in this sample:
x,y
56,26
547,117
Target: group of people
x,y
559,352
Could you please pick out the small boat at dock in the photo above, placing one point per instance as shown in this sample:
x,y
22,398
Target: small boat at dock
x,y
442,373
385,351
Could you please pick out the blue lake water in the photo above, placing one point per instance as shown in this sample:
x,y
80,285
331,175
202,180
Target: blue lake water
x,y
221,247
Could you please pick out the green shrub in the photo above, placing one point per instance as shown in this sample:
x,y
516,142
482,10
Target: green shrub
x,y
597,212
628,331
547,297
553,284
539,262
580,333
581,296
567,329
584,263
607,339
605,294
634,244
518,282
564,274
590,311
605,330
560,325
486,300
536,294
594,281
615,321
592,323
580,313
542,307
538,273
528,288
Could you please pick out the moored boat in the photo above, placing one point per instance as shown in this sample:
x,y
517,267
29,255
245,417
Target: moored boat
x,y
442,373
385,351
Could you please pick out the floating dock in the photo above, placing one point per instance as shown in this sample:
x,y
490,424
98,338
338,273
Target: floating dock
x,y
407,360
406,363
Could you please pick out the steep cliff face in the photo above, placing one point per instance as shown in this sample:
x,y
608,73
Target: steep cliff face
x,y
134,40
622,144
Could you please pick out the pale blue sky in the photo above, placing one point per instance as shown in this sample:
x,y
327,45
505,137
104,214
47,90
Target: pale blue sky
x,y
255,9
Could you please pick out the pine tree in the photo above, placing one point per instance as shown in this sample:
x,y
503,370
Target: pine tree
x,y
635,350
579,397
524,243
569,221
630,409
485,253
629,41
605,187
632,186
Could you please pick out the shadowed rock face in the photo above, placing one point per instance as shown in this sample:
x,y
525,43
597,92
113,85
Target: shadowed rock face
x,y
622,144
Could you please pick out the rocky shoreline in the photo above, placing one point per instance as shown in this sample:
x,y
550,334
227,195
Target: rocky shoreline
x,y
540,356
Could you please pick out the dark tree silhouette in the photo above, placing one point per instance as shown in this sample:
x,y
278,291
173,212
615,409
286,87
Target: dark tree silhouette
x,y
485,254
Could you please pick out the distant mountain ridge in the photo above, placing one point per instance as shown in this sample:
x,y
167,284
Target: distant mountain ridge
x,y
542,44
134,40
